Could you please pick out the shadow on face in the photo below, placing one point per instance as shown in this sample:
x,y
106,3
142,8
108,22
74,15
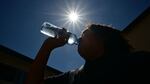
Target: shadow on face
x,y
89,46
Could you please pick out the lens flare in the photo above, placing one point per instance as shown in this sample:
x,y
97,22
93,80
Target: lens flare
x,y
73,16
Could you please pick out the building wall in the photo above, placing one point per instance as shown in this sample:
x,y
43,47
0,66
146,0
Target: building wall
x,y
11,75
138,32
14,67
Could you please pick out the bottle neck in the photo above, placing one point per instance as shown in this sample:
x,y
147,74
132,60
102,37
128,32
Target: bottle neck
x,y
72,40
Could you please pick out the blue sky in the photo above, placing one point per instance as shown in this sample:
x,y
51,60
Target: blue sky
x,y
21,21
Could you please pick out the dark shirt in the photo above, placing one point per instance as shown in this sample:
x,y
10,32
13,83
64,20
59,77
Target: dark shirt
x,y
134,68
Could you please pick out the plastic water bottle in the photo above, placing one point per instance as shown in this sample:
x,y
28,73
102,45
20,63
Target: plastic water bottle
x,y
54,32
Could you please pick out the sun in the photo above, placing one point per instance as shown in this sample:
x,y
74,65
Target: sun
x,y
74,19
73,16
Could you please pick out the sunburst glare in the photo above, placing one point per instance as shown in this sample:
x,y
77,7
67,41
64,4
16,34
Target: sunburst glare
x,y
73,16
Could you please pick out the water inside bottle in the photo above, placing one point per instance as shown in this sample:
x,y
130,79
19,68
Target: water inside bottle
x,y
47,29
51,31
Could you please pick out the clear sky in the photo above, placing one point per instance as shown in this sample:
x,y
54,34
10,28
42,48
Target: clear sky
x,y
21,21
